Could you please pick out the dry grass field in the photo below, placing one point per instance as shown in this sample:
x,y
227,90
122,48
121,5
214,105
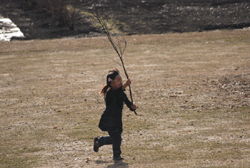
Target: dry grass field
x,y
192,91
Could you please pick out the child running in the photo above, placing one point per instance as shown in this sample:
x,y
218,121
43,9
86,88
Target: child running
x,y
111,119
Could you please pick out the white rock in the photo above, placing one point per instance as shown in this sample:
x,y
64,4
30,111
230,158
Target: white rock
x,y
9,30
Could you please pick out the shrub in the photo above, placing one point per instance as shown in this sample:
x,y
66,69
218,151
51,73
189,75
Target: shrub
x,y
28,4
58,9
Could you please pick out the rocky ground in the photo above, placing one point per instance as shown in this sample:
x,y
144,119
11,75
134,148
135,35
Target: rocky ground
x,y
136,17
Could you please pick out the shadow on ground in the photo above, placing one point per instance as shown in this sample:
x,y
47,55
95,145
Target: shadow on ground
x,y
119,164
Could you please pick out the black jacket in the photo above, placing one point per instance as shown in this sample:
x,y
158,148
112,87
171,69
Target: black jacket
x,y
111,118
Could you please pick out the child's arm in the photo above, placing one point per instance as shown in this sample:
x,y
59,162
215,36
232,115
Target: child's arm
x,y
129,104
126,84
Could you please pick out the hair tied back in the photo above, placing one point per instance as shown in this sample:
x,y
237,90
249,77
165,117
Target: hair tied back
x,y
110,80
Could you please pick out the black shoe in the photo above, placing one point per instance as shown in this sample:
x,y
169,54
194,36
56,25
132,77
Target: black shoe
x,y
96,144
118,158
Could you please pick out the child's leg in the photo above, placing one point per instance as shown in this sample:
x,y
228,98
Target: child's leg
x,y
104,140
98,142
116,138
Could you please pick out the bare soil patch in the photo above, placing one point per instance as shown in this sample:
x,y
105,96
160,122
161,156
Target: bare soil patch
x,y
192,90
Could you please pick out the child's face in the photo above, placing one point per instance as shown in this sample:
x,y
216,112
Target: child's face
x,y
117,82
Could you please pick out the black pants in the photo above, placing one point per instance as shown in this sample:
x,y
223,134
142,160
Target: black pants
x,y
114,139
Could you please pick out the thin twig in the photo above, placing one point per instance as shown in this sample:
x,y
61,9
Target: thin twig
x,y
113,59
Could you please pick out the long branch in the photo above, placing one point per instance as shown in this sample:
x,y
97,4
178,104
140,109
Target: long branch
x,y
106,31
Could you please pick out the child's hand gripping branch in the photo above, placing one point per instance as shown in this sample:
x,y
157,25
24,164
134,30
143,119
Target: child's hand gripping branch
x,y
126,84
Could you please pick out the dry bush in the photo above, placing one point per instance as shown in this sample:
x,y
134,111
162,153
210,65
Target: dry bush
x,y
58,9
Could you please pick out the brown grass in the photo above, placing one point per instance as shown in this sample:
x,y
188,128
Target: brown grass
x,y
192,90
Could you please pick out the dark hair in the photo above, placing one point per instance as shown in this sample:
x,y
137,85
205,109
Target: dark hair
x,y
110,77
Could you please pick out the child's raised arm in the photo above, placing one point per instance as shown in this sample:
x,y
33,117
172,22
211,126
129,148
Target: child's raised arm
x,y
126,84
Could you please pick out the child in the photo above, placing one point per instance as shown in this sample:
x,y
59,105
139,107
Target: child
x,y
111,119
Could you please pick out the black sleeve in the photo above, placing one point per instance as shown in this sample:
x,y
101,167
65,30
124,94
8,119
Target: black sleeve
x,y
127,102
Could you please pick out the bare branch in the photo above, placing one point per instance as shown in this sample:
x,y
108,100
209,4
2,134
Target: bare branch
x,y
117,47
112,59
